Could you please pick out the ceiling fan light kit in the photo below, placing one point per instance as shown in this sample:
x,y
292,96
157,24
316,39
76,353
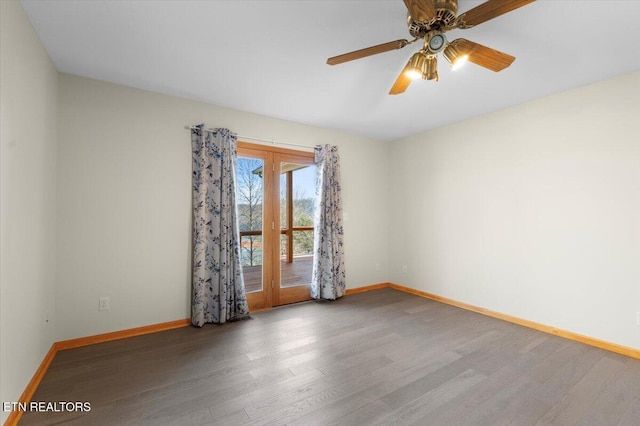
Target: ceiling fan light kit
x,y
415,66
454,56
431,69
429,20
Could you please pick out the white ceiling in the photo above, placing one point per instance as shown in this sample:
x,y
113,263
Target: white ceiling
x,y
268,57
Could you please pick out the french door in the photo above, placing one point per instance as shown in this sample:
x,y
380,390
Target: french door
x,y
275,199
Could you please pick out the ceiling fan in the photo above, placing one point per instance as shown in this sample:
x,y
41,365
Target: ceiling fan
x,y
428,20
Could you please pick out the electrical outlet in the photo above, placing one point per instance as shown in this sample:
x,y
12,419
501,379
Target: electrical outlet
x,y
638,318
404,269
103,304
377,266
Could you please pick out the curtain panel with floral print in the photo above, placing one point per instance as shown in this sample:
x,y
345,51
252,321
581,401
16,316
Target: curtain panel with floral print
x,y
217,286
328,278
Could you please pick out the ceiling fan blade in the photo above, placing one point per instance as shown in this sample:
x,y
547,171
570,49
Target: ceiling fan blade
x,y
402,82
482,55
420,10
488,10
362,53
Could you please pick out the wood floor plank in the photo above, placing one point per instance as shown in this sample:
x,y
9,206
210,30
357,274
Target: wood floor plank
x,y
364,415
631,416
234,419
381,356
468,401
194,401
341,407
418,410
577,401
612,402
226,407
340,354
171,418
371,365
301,401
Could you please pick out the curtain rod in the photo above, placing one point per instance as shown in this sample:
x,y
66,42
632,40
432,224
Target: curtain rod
x,y
271,141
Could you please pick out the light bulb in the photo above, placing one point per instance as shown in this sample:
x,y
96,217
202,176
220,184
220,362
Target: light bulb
x,y
415,65
413,74
459,62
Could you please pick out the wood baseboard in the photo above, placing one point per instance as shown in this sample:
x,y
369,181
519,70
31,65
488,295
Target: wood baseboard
x,y
602,344
14,416
122,334
366,288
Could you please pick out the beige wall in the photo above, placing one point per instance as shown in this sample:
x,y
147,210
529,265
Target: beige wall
x,y
28,91
532,211
124,190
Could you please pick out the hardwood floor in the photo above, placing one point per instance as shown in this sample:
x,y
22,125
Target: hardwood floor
x,y
375,358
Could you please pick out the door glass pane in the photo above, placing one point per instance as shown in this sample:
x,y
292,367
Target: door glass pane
x,y
297,195
249,197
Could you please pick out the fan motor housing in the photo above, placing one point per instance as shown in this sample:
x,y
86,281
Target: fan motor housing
x,y
446,11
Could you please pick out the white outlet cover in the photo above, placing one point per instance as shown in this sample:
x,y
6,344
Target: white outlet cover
x,y
103,304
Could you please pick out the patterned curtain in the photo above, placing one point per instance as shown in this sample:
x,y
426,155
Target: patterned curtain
x,y
328,280
218,286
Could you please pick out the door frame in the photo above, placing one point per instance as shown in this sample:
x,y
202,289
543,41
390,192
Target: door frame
x,y
272,294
